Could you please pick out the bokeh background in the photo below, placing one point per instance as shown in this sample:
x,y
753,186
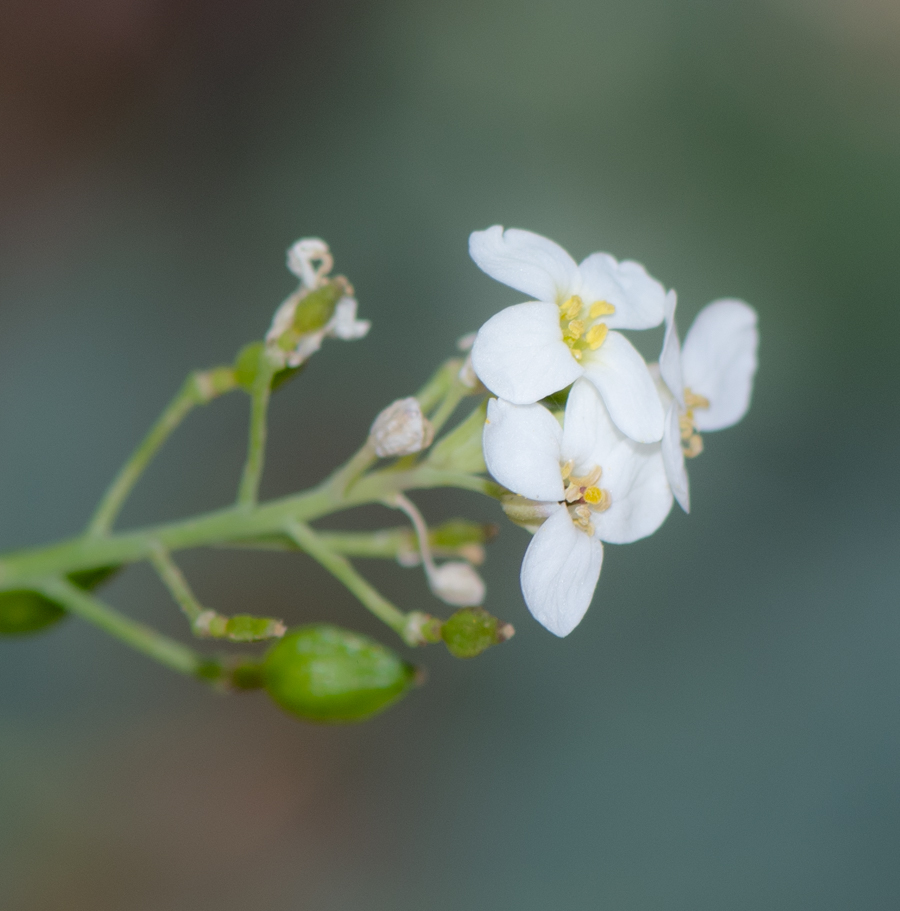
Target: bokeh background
x,y
722,730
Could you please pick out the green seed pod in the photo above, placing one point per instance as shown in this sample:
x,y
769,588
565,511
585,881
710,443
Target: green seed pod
x,y
471,630
23,611
27,612
331,675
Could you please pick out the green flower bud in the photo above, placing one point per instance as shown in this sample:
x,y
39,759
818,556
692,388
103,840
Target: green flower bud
x,y
471,630
23,611
327,674
27,612
460,449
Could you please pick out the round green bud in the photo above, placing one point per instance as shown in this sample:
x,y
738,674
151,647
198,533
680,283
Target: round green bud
x,y
27,612
471,630
331,675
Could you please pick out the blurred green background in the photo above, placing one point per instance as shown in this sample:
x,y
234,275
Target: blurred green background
x,y
722,730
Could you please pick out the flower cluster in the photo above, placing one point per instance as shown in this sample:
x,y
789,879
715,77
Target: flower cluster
x,y
609,468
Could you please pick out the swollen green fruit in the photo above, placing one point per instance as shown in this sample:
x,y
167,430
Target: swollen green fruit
x,y
331,675
27,612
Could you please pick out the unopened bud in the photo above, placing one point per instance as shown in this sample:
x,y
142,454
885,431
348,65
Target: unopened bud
x,y
457,583
472,630
401,429
27,612
330,675
530,514
461,449
239,628
23,611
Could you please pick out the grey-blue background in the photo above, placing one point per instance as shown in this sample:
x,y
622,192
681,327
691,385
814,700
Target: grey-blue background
x,y
722,730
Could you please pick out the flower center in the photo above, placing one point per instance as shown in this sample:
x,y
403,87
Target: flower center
x,y
581,327
583,497
691,441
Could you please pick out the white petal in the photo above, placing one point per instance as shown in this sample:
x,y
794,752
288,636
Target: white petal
x,y
560,572
310,260
673,459
624,382
670,358
344,323
638,298
525,261
521,449
719,361
520,356
633,474
582,428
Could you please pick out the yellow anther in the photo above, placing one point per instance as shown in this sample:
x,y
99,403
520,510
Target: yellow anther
x,y
567,469
593,495
595,335
589,479
575,328
692,400
686,425
693,447
571,307
601,308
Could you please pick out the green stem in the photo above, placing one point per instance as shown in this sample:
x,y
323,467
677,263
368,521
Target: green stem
x,y
256,448
167,651
200,387
343,570
177,585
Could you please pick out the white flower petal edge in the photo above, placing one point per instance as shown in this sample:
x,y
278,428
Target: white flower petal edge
x,y
670,358
520,355
673,459
638,298
719,361
621,377
525,261
522,449
560,572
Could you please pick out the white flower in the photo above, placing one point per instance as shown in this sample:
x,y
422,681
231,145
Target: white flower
x,y
311,261
593,482
531,350
708,381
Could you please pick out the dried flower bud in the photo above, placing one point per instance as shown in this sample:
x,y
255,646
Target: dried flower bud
x,y
457,583
401,429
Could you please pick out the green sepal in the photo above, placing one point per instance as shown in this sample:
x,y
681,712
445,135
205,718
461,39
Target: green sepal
x,y
316,309
461,449
330,675
472,630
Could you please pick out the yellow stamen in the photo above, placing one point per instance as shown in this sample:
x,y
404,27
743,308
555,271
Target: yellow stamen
x,y
571,307
601,308
595,335
567,469
573,494
575,329
593,495
686,425
693,447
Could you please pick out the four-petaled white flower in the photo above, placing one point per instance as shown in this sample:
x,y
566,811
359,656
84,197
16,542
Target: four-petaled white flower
x,y
594,484
708,381
531,350
311,261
